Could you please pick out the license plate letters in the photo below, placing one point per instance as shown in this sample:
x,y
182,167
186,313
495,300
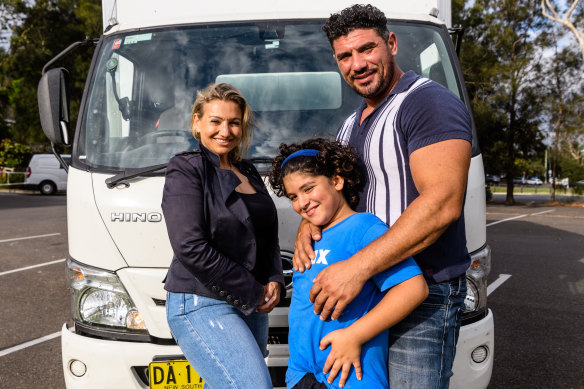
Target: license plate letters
x,y
173,375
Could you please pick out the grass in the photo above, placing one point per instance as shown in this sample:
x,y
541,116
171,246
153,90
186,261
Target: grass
x,y
11,178
532,189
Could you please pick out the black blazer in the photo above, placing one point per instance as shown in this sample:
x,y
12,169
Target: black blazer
x,y
211,232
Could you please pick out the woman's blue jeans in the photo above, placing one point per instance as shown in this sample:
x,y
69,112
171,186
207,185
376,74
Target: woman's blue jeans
x,y
423,345
223,345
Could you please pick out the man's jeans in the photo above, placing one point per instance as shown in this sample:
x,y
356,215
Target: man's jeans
x,y
422,346
223,345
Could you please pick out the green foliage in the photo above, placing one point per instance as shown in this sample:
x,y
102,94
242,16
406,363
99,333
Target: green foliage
x,y
570,168
44,28
14,155
564,107
499,57
530,167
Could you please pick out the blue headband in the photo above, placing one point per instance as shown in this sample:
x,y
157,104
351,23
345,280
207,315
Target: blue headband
x,y
300,153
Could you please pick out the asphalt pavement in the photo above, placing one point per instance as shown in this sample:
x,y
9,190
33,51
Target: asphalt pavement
x,y
538,306
539,309
35,300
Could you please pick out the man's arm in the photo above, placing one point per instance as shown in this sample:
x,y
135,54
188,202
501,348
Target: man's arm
x,y
346,343
440,172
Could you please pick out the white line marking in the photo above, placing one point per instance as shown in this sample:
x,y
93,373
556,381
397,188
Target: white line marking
x,y
505,220
29,344
542,212
32,267
519,217
498,282
29,237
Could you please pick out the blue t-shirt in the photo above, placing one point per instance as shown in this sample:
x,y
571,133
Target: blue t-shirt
x,y
338,243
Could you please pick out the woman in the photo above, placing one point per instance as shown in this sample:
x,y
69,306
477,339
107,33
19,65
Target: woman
x,y
226,273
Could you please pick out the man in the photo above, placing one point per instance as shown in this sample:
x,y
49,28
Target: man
x,y
414,137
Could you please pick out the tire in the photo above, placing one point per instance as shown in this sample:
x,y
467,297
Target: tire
x,y
47,188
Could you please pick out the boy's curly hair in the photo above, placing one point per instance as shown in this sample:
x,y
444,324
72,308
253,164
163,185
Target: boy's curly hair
x,y
333,159
353,18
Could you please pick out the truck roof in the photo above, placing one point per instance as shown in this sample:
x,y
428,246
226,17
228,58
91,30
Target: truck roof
x,y
131,14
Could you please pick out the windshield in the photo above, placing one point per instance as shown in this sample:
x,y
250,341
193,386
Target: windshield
x,y
144,85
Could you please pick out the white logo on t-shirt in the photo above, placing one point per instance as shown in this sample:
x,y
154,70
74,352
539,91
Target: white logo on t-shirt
x,y
321,257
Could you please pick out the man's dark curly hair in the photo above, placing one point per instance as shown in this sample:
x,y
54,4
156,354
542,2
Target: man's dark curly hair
x,y
353,18
333,159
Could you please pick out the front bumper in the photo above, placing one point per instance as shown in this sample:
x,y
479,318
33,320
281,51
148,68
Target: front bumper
x,y
467,373
117,364
110,364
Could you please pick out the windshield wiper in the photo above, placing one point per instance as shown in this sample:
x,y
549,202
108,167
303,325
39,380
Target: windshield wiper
x,y
262,160
112,182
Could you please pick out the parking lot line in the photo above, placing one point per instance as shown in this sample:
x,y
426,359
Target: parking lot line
x,y
506,220
29,237
29,344
498,282
32,267
542,212
519,217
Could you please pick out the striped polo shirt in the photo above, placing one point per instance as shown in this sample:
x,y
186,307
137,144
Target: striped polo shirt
x,y
418,112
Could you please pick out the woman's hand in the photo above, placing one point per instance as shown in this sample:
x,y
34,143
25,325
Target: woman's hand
x,y
345,352
270,298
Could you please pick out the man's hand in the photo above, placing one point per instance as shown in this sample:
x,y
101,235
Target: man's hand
x,y
270,298
345,352
303,253
335,287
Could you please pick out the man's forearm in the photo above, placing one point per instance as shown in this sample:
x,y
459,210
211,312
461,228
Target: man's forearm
x,y
429,215
418,227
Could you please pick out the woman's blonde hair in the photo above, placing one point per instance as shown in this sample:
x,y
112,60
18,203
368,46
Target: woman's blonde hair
x,y
226,92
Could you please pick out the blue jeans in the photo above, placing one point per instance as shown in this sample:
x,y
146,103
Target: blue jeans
x,y
223,345
422,346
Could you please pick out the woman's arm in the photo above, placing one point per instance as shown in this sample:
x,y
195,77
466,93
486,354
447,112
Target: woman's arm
x,y
184,213
346,343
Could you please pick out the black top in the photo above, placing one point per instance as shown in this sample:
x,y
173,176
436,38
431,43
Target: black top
x,y
263,215
211,231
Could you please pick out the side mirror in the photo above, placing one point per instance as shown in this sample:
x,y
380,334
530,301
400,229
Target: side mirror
x,y
53,100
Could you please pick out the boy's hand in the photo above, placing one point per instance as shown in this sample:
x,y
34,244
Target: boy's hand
x,y
345,352
303,253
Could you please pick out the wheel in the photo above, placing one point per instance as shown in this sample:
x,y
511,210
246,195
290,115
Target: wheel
x,y
48,188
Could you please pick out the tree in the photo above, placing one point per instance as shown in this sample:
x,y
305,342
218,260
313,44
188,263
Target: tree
x,y
563,98
44,29
14,155
548,9
500,64
3,99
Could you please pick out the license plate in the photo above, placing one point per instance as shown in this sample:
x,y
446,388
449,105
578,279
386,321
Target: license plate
x,y
173,375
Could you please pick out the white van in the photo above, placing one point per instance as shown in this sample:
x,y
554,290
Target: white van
x,y
134,116
45,173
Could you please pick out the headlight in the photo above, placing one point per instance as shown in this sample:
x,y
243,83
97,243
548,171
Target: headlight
x,y
99,299
476,282
471,301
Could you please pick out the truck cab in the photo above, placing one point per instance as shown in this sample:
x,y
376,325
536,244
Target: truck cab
x,y
134,116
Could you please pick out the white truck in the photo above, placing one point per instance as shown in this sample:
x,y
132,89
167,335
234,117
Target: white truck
x,y
134,116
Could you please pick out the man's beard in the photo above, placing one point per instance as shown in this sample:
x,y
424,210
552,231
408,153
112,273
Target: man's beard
x,y
379,89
